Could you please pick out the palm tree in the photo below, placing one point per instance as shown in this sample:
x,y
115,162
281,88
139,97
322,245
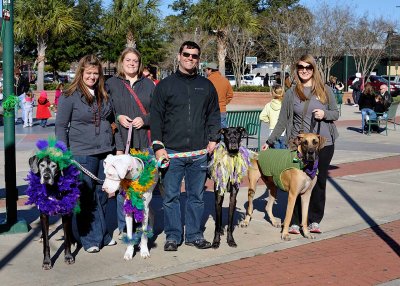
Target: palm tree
x,y
37,19
218,16
134,18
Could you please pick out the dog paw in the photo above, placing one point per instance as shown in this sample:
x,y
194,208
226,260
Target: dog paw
x,y
129,253
215,244
69,259
244,223
276,223
144,253
309,236
232,243
285,237
46,266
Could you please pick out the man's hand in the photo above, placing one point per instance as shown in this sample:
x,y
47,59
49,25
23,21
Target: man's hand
x,y
211,146
161,153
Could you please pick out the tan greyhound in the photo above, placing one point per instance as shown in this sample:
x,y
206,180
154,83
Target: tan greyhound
x,y
297,176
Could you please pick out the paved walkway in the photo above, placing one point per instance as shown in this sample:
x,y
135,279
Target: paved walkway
x,y
359,245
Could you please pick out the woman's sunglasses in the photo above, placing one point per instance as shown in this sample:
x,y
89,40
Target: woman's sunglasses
x,y
307,68
194,56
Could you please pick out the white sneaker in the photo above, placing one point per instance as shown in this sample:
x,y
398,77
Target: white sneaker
x,y
93,249
112,242
355,105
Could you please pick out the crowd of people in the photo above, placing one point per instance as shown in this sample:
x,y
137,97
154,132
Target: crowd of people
x,y
183,113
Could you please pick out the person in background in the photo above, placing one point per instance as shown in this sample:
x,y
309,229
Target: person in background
x,y
43,111
223,87
357,87
335,84
59,90
258,81
130,90
310,100
83,123
270,114
266,80
385,96
366,105
28,103
21,86
185,118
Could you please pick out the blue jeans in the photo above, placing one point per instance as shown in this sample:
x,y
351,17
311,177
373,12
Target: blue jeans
x,y
224,122
194,169
280,143
90,223
370,113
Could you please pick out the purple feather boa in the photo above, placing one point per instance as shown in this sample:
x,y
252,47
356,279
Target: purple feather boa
x,y
63,201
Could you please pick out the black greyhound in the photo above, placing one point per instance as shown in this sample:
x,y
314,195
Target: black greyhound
x,y
49,173
231,137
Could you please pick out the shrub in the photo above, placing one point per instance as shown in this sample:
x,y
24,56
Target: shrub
x,y
250,88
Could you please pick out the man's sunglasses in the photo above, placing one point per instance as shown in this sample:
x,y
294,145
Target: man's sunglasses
x,y
194,56
307,68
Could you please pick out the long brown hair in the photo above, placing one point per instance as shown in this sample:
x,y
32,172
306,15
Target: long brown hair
x,y
318,87
368,89
100,92
120,70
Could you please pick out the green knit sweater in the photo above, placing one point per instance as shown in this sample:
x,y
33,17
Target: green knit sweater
x,y
273,162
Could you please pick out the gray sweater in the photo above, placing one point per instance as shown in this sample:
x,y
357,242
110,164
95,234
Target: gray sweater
x,y
75,125
289,117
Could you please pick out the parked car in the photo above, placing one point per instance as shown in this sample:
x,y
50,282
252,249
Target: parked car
x,y
394,79
249,79
232,79
48,78
376,82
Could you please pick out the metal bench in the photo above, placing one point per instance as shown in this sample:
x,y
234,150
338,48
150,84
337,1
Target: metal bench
x,y
250,120
383,118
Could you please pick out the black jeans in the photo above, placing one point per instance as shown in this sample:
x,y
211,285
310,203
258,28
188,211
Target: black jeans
x,y
318,195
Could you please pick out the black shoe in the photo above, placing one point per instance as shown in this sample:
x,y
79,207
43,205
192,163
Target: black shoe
x,y
170,245
200,243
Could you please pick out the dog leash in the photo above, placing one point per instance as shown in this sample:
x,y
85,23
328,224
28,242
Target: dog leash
x,y
87,172
163,162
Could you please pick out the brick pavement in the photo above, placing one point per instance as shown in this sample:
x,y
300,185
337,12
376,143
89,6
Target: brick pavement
x,y
366,257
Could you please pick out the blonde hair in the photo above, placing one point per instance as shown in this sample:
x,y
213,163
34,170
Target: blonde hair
x,y
278,92
120,70
318,87
86,62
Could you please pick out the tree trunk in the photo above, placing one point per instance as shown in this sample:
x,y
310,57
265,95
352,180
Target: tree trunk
x,y
130,40
221,50
41,49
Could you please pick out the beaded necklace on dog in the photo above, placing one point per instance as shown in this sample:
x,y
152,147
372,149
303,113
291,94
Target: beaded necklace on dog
x,y
133,189
66,200
225,168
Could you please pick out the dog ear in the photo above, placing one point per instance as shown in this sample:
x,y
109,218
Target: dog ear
x,y
242,131
295,142
34,164
322,141
222,130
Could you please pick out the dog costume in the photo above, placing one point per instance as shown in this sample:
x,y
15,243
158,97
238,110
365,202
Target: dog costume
x,y
225,168
66,199
132,191
273,162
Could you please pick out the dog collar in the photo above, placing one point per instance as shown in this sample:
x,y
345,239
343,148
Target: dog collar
x,y
309,167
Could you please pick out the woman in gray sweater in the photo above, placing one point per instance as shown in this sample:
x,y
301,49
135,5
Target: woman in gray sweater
x,y
296,117
83,122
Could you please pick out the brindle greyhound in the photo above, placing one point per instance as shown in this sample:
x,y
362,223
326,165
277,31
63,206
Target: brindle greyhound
x,y
293,180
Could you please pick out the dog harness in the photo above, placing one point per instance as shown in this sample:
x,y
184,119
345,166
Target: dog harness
x,y
226,168
273,162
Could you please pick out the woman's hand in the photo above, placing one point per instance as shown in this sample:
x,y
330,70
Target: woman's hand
x,y
124,120
137,122
319,114
264,147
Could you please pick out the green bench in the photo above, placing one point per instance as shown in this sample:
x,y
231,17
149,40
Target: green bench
x,y
250,120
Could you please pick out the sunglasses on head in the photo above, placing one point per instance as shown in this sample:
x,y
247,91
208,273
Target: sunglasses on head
x,y
194,56
307,68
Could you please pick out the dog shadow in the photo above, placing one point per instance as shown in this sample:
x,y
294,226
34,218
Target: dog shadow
x,y
260,203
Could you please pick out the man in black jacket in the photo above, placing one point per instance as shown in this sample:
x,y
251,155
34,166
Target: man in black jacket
x,y
184,123
385,96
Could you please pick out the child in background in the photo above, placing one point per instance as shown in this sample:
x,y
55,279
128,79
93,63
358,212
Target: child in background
x,y
58,93
43,112
28,103
270,114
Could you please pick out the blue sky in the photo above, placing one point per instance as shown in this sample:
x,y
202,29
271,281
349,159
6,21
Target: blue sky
x,y
375,8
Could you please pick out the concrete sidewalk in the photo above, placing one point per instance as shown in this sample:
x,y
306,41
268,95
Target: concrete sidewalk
x,y
358,198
